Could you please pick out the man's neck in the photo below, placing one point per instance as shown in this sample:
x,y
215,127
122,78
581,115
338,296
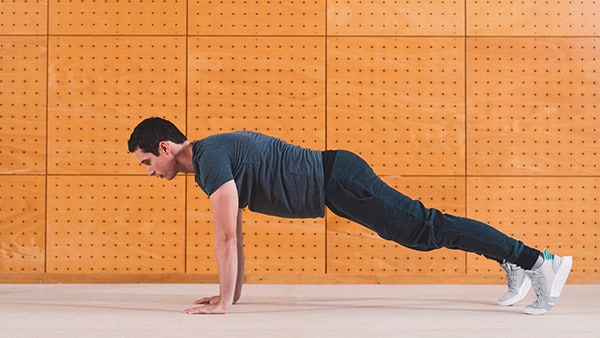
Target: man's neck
x,y
184,158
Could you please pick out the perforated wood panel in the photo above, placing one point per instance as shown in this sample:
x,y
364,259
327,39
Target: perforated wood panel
x,y
23,17
398,102
261,17
166,17
533,106
22,105
22,224
99,88
271,245
546,212
381,17
124,226
480,108
200,230
549,18
274,85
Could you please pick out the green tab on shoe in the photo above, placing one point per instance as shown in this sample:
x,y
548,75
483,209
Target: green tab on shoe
x,y
548,255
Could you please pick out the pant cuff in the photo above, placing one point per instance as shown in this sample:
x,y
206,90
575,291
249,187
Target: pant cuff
x,y
527,258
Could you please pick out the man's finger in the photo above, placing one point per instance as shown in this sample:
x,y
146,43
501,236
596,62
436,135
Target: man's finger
x,y
194,310
204,310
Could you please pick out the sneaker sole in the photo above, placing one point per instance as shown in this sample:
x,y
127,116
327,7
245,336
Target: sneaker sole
x,y
523,290
558,284
561,276
535,311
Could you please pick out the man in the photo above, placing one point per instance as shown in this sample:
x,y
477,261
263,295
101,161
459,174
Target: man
x,y
267,175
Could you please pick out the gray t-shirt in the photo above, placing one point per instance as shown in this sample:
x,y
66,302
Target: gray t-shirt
x,y
272,177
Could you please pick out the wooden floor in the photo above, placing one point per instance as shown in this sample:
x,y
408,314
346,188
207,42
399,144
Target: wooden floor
x,y
155,310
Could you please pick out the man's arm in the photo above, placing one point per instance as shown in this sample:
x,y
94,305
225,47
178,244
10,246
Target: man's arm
x,y
226,214
240,258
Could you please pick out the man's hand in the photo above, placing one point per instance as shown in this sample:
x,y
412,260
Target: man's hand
x,y
211,305
207,308
208,300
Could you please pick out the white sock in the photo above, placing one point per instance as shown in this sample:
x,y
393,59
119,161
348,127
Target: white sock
x,y
538,263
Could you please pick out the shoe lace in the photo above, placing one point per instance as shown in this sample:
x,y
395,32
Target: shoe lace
x,y
512,274
537,276
537,282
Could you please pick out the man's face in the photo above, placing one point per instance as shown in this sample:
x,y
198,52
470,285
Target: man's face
x,y
162,166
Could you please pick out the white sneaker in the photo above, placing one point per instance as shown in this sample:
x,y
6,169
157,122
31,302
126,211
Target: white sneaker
x,y
548,282
518,284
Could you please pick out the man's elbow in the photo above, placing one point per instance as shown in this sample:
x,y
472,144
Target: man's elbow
x,y
226,241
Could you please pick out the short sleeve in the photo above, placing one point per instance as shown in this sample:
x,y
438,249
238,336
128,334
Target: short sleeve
x,y
213,169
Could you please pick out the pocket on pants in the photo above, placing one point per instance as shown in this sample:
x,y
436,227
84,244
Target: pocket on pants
x,y
359,205
356,191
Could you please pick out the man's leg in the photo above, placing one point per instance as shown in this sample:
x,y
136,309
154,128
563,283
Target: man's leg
x,y
355,192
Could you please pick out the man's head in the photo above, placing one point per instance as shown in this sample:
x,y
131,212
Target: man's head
x,y
155,143
149,133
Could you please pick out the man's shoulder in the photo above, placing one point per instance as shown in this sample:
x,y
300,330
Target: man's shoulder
x,y
232,135
230,142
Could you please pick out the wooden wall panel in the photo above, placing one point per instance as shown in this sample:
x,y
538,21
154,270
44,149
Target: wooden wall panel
x,y
99,88
558,213
283,246
398,102
22,105
91,17
381,17
541,18
23,17
256,18
22,224
533,106
102,224
272,245
270,84
475,108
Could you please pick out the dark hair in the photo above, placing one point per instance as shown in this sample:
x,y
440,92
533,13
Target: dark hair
x,y
150,132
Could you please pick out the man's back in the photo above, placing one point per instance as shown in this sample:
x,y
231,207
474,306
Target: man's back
x,y
272,176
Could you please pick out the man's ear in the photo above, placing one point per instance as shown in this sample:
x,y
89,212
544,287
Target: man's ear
x,y
164,147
